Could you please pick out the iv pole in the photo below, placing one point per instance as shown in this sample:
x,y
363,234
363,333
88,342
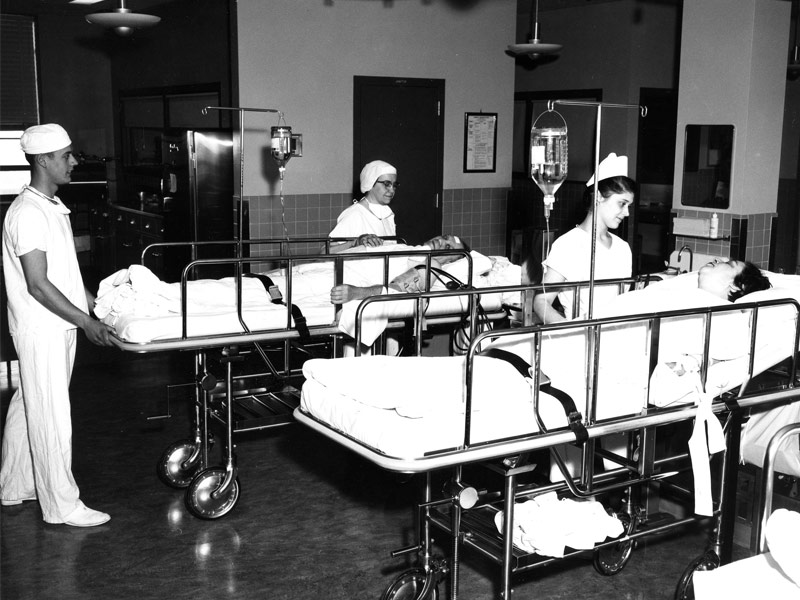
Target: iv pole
x,y
592,349
241,111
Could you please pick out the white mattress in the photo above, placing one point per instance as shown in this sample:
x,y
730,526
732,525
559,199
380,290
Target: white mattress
x,y
421,408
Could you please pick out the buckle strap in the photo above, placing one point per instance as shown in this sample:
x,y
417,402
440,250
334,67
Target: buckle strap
x,y
574,417
276,297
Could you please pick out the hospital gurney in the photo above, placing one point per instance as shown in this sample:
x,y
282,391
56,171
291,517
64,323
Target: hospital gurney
x,y
448,424
236,402
773,574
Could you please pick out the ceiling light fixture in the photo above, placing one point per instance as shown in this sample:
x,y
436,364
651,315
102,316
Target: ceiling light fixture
x,y
534,48
122,20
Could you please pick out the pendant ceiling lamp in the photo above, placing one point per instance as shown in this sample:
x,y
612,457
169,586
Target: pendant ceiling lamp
x,y
793,70
122,20
534,48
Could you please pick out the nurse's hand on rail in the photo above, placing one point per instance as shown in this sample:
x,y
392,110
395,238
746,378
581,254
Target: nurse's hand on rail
x,y
98,332
370,240
345,293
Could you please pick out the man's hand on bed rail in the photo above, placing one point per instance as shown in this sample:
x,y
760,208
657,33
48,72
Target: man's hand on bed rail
x,y
97,332
340,294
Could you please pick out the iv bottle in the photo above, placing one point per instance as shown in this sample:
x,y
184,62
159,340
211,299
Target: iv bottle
x,y
713,230
548,158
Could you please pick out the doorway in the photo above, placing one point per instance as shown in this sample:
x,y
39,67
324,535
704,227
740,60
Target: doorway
x,y
401,121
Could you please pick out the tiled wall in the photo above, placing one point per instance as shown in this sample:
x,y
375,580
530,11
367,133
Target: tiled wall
x,y
477,214
743,237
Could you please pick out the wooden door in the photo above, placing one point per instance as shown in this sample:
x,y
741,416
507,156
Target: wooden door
x,y
401,121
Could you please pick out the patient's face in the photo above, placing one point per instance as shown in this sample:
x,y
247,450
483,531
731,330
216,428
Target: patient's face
x,y
717,277
445,242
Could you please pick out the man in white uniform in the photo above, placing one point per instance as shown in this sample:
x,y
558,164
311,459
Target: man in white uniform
x,y
47,302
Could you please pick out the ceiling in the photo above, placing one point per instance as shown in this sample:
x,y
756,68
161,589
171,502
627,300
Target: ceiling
x,y
33,7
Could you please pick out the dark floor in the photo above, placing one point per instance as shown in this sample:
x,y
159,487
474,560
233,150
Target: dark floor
x,y
313,520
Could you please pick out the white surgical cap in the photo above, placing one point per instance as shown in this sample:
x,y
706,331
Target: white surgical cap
x,y
611,166
41,139
371,172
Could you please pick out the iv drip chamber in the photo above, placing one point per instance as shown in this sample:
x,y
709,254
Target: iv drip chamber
x,y
281,145
548,155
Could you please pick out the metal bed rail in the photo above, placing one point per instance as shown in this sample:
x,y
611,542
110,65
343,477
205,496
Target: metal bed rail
x,y
458,511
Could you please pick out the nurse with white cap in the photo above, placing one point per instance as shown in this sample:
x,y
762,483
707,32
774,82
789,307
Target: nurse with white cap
x,y
47,303
570,257
370,217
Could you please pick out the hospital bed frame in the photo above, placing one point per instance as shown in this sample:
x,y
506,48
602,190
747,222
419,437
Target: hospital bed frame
x,y
465,514
243,403
711,559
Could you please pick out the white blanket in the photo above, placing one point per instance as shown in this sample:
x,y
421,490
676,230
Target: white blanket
x,y
141,308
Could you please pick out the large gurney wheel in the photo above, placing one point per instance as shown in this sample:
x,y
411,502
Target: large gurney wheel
x,y
410,585
611,559
706,562
201,499
174,468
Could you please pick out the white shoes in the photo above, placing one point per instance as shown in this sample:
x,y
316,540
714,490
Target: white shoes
x,y
15,502
83,516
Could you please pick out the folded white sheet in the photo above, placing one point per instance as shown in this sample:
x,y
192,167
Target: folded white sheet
x,y
547,526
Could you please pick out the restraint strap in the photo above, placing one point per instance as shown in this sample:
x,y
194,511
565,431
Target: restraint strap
x,y
574,417
277,298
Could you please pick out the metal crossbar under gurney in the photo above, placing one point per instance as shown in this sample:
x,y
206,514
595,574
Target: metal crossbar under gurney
x,y
592,348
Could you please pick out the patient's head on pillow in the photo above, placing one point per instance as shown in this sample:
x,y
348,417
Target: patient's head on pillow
x,y
731,279
447,242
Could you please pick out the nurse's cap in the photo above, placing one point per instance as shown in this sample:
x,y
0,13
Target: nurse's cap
x,y
371,172
611,166
41,139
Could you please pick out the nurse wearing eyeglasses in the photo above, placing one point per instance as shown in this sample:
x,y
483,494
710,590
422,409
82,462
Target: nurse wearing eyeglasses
x,y
370,217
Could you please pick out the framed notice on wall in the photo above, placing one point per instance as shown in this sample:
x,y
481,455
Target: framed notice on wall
x,y
480,142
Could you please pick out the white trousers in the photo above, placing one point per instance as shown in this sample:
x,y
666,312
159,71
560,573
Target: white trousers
x,y
37,441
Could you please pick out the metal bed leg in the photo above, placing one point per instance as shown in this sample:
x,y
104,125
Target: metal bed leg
x,y
508,534
214,491
723,544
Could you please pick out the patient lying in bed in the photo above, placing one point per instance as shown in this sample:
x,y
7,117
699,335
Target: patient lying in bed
x,y
409,275
411,279
143,308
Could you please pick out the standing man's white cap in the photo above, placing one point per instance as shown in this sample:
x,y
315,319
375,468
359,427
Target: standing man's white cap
x,y
371,172
41,139
611,166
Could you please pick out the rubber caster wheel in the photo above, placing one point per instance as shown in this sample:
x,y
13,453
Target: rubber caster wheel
x,y
610,560
201,500
173,468
706,562
410,585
